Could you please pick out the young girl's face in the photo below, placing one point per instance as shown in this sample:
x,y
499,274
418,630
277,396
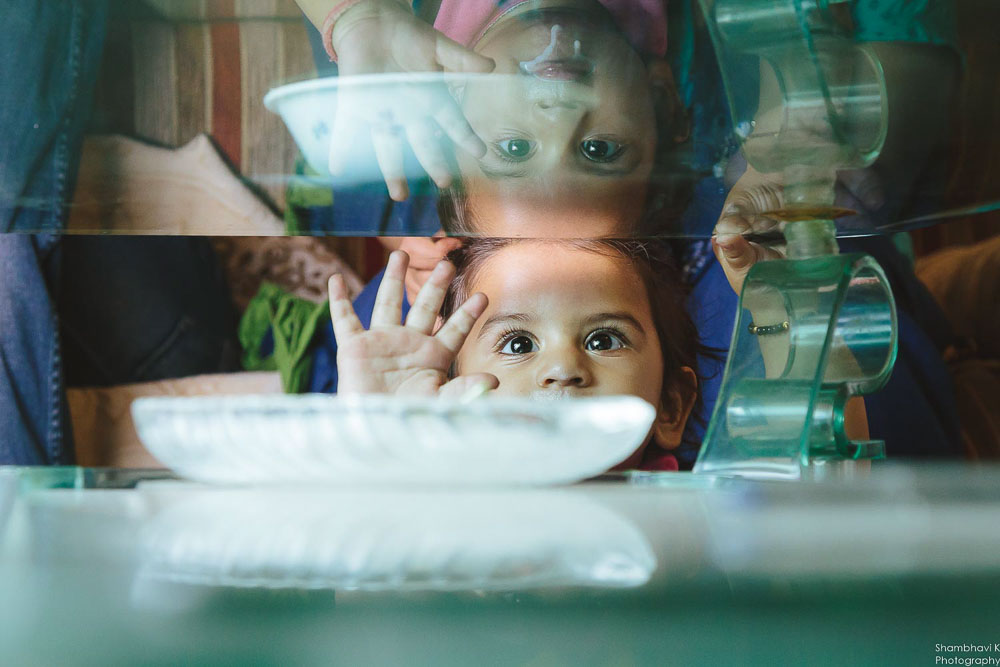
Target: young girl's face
x,y
572,122
564,322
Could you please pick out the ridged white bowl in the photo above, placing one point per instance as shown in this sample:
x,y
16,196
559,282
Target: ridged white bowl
x,y
390,440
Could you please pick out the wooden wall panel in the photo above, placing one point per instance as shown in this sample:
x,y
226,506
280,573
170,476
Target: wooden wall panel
x,y
262,56
155,82
193,80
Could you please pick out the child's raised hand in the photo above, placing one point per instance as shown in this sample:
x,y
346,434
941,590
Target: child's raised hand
x,y
393,358
754,193
383,36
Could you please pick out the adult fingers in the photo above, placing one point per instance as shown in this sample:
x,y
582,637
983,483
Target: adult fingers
x,y
457,58
389,299
345,320
388,142
426,252
752,192
445,244
739,254
425,140
424,311
454,332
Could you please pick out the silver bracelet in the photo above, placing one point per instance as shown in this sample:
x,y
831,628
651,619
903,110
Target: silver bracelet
x,y
768,330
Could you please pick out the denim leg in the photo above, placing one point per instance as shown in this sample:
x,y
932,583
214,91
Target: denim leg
x,y
33,416
51,50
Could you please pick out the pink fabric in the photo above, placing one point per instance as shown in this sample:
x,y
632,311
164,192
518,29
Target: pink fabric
x,y
643,22
655,459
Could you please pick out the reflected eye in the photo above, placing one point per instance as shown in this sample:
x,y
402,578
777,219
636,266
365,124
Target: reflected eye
x,y
601,150
603,341
519,344
515,150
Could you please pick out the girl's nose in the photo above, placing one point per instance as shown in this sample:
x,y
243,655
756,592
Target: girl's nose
x,y
565,370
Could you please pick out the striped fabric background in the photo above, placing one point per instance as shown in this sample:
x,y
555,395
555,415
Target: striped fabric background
x,y
176,68
193,66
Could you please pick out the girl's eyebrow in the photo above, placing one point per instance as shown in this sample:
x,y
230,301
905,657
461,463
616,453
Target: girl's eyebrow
x,y
597,318
497,318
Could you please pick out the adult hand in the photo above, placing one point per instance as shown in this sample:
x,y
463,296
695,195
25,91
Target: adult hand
x,y
394,358
754,193
383,36
751,195
425,254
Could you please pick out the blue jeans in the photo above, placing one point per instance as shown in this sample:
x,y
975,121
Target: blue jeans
x,y
98,310
51,52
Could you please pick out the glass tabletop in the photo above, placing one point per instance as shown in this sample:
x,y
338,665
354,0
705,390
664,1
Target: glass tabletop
x,y
636,569
571,122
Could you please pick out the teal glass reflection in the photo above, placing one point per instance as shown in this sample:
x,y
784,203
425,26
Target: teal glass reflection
x,y
817,328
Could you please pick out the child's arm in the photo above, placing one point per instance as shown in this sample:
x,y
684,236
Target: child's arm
x,y
394,358
384,36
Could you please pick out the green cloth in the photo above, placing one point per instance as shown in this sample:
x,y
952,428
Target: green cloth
x,y
292,322
305,190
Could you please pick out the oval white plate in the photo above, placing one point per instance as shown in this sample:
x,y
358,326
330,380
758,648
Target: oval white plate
x,y
390,440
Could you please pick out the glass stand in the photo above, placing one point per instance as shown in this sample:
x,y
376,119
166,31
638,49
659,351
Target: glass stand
x,y
818,328
776,419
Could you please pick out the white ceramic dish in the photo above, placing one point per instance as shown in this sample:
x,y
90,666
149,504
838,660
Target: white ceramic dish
x,y
309,110
390,440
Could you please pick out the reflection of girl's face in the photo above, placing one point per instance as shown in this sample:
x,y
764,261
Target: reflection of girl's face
x,y
564,322
573,119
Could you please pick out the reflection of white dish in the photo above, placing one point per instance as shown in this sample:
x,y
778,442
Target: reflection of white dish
x,y
385,439
309,107
389,540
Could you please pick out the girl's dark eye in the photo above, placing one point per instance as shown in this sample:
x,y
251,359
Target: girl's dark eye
x,y
518,345
516,149
601,150
602,341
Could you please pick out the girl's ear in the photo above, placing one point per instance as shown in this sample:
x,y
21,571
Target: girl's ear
x,y
670,111
668,429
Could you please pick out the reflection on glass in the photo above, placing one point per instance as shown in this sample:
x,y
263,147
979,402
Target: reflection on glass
x,y
549,117
391,541
566,121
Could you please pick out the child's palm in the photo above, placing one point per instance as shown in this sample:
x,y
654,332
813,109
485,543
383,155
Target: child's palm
x,y
394,358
